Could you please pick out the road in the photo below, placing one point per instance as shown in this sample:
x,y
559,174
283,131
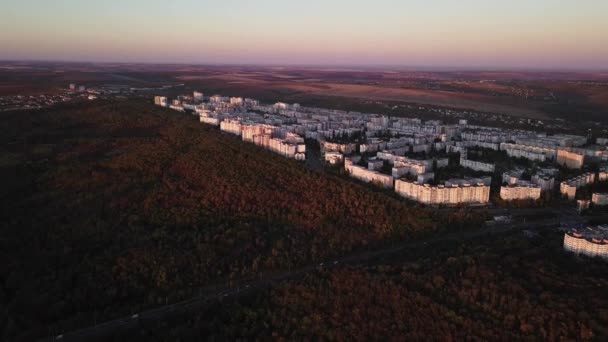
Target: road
x,y
213,294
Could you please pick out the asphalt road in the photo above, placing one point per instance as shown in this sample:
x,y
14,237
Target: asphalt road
x,y
213,294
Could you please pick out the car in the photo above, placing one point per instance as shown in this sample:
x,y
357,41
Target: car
x,y
135,316
335,262
59,337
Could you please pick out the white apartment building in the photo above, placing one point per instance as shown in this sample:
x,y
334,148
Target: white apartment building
x,y
327,146
443,194
281,106
426,148
520,191
425,177
236,101
476,143
582,205
375,164
591,241
161,101
491,135
602,176
366,175
209,120
334,158
463,181
231,126
546,183
419,166
512,177
287,149
476,165
454,149
372,147
217,99
389,157
571,160
198,96
599,199
292,146
568,188
562,140
177,107
249,131
402,168
534,153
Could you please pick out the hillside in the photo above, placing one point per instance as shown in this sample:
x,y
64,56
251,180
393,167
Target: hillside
x,y
112,207
511,288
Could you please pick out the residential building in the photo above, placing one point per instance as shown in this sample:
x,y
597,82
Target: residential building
x,y
520,191
210,120
512,177
366,175
602,176
569,187
546,182
571,160
231,126
476,165
161,101
334,158
198,96
599,198
375,164
533,153
236,101
582,205
590,241
327,146
465,193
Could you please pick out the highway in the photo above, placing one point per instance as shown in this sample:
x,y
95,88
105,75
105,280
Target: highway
x,y
213,294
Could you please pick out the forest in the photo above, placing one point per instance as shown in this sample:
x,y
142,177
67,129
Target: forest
x,y
500,289
111,207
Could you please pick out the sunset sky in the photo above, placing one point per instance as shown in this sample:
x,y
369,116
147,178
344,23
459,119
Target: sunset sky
x,y
442,33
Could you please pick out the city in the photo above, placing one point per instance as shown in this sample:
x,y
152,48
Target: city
x,y
375,149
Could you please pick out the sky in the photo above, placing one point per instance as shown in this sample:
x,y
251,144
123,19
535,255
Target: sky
x,y
442,33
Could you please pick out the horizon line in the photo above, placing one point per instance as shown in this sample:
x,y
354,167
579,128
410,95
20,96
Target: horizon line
x,y
420,68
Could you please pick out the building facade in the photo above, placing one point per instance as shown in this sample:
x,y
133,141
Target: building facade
x,y
591,241
520,191
369,176
443,194
571,160
599,199
569,187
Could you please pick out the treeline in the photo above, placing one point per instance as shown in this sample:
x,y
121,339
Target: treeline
x,y
112,207
509,289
